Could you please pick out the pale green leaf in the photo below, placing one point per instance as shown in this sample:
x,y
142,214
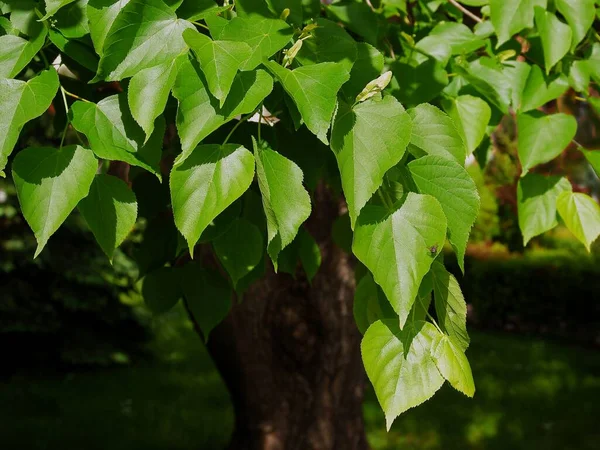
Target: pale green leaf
x,y
555,35
314,89
144,34
149,91
580,16
543,137
101,15
264,35
239,249
434,133
450,305
207,295
370,304
581,215
368,140
161,289
541,89
52,6
453,187
110,211
593,158
402,380
453,364
536,201
114,135
397,248
206,183
199,113
50,182
21,102
511,16
285,200
471,116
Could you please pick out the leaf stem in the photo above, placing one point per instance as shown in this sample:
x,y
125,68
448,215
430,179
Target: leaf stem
x,y
260,118
465,11
429,315
384,199
241,121
70,94
64,97
201,25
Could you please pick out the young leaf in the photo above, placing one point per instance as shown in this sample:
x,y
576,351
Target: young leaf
x,y
52,6
114,135
450,305
370,305
541,89
555,35
50,182
239,249
110,210
453,364
511,16
206,183
161,289
207,294
219,61
580,16
314,89
402,380
21,102
149,91
199,113
140,26
434,133
581,215
368,140
264,35
453,187
543,137
285,200
471,116
101,15
397,248
536,200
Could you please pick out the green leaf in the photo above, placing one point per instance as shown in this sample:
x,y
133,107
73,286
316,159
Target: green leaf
x,y
219,61
141,25
52,6
110,210
402,380
149,91
593,158
417,82
207,295
195,10
102,15
50,182
240,249
359,18
460,38
206,183
114,135
314,89
75,49
453,187
511,16
370,304
555,35
16,52
435,133
285,200
541,89
578,73
72,20
264,35
397,248
21,102
161,289
329,43
536,200
199,113
580,16
453,365
368,140
471,116
450,305
310,254
543,137
368,66
581,215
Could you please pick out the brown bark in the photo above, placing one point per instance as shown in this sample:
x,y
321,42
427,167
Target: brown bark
x,y
289,354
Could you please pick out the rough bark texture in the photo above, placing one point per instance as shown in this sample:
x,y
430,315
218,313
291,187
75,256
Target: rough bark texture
x,y
290,355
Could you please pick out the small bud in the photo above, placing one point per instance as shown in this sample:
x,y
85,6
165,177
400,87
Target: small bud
x,y
307,30
291,53
285,14
408,38
506,54
374,87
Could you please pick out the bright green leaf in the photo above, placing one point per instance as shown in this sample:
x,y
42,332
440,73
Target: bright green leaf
x,y
52,6
16,52
511,16
581,215
471,116
453,365
460,38
541,89
580,16
555,35
593,158
102,15
50,182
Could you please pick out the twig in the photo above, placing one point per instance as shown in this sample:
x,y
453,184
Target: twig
x,y
241,121
465,11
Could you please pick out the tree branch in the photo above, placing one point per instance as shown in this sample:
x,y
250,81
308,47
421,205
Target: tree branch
x,y
465,11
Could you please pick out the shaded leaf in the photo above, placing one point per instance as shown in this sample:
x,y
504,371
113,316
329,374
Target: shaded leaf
x,y
161,289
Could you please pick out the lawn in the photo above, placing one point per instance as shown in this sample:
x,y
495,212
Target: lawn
x,y
531,394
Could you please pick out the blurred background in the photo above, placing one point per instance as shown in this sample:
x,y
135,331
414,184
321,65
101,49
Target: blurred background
x,y
86,365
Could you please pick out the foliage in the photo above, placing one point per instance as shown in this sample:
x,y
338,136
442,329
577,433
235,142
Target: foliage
x,y
367,79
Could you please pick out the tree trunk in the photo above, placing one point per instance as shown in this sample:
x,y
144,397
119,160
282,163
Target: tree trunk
x,y
289,354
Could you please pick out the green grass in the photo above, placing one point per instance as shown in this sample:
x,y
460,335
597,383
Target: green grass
x,y
530,394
